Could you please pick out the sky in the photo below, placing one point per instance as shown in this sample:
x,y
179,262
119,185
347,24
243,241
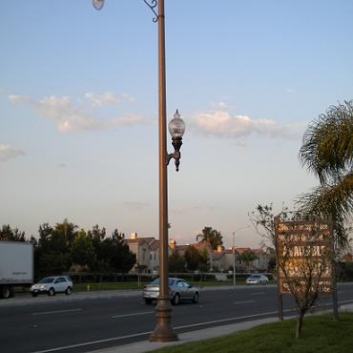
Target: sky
x,y
79,110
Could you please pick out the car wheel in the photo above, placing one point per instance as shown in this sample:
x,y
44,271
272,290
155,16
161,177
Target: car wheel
x,y
195,299
51,292
148,301
176,299
68,291
5,292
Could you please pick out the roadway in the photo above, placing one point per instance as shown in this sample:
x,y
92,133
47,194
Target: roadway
x,y
84,322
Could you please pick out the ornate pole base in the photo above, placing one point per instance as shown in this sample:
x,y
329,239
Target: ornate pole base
x,y
164,331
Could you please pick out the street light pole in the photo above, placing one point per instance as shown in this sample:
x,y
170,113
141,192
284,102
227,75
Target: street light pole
x,y
164,331
234,262
234,258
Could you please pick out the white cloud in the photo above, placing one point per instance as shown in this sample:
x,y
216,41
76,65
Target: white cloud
x,y
68,117
108,98
15,98
135,206
221,105
7,152
191,208
223,124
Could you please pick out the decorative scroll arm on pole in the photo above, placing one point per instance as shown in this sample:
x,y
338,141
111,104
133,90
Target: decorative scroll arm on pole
x,y
152,4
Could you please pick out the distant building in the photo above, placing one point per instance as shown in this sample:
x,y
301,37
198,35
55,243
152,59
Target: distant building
x,y
146,250
220,259
259,264
147,253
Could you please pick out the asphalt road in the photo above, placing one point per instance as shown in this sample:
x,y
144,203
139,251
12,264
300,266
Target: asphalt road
x,y
88,321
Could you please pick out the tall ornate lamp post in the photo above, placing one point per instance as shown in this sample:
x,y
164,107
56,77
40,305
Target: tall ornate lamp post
x,y
164,331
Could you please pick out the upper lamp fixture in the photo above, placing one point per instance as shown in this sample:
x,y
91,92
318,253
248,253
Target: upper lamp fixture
x,y
98,4
176,129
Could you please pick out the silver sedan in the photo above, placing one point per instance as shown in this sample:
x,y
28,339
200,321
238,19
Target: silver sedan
x,y
179,290
257,278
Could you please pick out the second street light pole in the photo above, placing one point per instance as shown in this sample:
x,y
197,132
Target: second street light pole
x,y
234,257
234,262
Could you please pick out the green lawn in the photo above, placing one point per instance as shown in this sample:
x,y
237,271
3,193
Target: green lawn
x,y
127,285
81,287
321,334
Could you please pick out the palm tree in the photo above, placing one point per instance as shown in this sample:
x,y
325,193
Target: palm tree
x,y
211,236
327,151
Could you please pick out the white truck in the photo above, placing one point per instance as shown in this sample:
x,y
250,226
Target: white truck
x,y
16,266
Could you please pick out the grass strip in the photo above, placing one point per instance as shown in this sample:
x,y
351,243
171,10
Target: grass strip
x,y
321,334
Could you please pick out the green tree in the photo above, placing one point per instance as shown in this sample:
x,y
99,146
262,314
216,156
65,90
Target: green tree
x,y
204,262
64,234
41,247
327,152
113,253
192,258
97,235
211,236
9,234
248,257
82,250
124,259
53,250
176,263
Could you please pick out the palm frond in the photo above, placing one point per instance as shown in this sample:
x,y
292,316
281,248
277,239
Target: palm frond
x,y
327,148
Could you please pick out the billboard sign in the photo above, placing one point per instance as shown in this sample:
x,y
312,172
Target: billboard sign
x,y
304,255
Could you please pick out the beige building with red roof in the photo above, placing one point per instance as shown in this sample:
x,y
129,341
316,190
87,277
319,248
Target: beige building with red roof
x,y
146,250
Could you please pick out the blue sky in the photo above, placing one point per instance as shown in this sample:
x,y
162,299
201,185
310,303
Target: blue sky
x,y
79,107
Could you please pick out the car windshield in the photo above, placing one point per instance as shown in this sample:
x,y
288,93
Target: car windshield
x,y
47,280
157,281
255,276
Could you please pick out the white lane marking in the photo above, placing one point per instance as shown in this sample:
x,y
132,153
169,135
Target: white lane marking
x,y
135,314
57,311
244,302
93,342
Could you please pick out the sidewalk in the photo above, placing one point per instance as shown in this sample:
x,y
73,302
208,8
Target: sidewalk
x,y
147,346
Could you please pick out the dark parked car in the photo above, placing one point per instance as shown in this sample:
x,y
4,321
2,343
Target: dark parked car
x,y
179,290
52,285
